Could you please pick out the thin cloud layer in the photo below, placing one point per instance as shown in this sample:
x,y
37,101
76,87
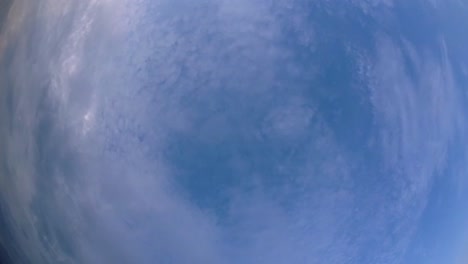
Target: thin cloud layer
x,y
182,132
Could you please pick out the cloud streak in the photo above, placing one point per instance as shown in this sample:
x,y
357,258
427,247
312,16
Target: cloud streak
x,y
93,156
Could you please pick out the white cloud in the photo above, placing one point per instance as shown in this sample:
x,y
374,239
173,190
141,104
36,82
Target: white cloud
x,y
122,203
419,115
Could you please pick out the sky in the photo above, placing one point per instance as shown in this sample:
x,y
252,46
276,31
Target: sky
x,y
233,132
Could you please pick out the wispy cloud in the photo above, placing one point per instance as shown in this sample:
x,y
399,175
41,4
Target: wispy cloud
x,y
420,115
92,174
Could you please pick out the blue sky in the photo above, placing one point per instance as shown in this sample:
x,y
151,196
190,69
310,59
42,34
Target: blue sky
x,y
234,132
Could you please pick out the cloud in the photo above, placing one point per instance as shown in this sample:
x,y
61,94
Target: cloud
x,y
104,191
99,186
419,114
